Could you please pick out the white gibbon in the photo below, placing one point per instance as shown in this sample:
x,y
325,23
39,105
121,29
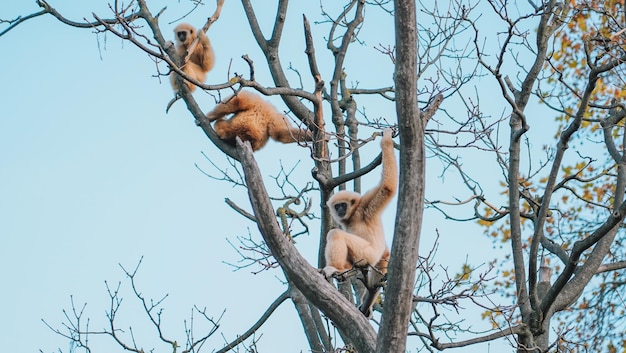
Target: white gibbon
x,y
200,61
255,120
361,240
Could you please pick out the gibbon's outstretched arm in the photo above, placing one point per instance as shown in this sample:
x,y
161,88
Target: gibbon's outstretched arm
x,y
361,239
200,61
376,199
254,119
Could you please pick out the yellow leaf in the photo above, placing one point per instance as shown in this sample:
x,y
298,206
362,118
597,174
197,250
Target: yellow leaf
x,y
582,23
485,223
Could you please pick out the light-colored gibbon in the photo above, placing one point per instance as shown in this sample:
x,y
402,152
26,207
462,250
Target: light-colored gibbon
x,y
361,240
255,120
200,61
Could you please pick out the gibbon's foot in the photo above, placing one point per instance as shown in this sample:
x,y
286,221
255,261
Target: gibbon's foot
x,y
329,272
371,298
382,281
367,312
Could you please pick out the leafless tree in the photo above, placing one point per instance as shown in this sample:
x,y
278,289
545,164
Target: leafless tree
x,y
437,61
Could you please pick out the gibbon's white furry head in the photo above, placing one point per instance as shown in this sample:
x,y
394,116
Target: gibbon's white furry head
x,y
185,34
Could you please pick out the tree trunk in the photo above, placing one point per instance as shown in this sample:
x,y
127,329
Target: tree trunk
x,y
404,251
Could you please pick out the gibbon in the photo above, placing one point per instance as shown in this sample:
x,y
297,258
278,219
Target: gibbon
x,y
254,120
361,240
200,61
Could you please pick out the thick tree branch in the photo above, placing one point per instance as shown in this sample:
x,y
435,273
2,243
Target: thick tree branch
x,y
405,245
312,284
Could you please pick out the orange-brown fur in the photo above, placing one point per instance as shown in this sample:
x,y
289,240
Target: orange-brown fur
x,y
201,60
361,239
254,120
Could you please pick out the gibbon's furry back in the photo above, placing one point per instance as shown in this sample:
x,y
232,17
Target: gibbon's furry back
x,y
200,61
254,120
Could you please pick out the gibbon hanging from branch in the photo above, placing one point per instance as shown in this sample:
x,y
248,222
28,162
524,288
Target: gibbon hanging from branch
x,y
255,120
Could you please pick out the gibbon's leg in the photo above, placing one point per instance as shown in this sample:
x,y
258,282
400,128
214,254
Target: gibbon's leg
x,y
223,130
196,72
367,303
343,249
173,76
282,131
222,109
238,125
383,263
192,70
374,280
173,82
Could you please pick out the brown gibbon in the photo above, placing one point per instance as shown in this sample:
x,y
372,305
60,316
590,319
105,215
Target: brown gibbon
x,y
255,120
200,61
361,240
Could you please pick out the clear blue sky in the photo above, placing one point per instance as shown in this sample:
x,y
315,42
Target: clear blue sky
x,y
94,174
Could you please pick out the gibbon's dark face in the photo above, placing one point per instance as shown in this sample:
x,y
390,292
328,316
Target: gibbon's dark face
x,y
182,35
341,208
343,205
